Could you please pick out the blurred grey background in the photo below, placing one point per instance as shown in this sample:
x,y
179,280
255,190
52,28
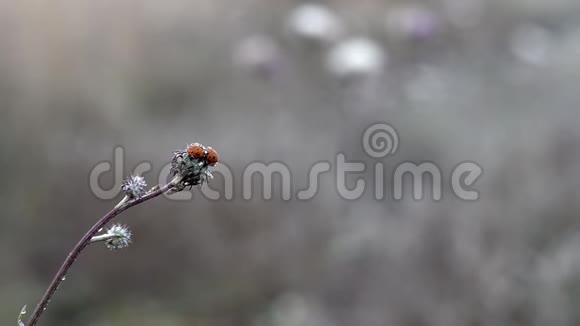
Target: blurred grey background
x,y
494,82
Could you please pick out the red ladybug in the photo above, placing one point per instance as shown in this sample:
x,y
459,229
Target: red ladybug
x,y
196,150
211,156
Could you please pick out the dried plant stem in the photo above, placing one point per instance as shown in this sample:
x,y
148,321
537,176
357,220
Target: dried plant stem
x,y
85,241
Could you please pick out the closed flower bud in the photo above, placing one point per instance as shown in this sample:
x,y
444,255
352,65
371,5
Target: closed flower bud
x,y
134,187
119,237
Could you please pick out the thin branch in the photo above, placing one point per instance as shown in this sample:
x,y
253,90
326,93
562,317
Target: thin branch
x,y
85,240
189,167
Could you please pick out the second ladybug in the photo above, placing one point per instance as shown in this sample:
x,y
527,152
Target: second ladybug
x,y
211,156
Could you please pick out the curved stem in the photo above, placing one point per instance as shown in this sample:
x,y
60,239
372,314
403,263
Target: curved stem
x,y
83,242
